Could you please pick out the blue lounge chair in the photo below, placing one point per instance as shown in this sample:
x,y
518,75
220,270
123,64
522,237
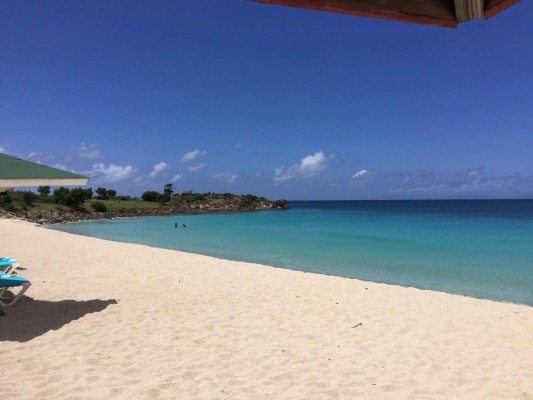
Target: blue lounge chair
x,y
9,281
8,265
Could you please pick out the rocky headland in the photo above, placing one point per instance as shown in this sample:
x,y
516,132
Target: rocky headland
x,y
193,204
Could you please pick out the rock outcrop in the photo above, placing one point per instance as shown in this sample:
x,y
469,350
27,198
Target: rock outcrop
x,y
193,204
224,203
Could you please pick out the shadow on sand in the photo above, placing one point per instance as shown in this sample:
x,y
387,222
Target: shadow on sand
x,y
32,318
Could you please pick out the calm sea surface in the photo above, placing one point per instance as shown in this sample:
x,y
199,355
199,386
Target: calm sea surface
x,y
476,248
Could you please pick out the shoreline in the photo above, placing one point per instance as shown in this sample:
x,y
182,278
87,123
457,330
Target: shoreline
x,y
50,227
205,327
475,288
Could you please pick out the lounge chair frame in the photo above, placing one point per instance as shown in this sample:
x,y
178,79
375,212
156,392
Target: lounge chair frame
x,y
23,287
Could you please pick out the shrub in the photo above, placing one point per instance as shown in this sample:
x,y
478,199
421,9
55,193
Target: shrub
x,y
150,195
44,191
198,197
102,193
98,206
60,195
8,207
71,198
29,197
5,197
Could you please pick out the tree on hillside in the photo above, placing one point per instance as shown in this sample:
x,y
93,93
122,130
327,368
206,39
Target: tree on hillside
x,y
76,197
60,195
167,193
111,194
71,198
150,195
88,193
5,201
28,197
102,193
44,191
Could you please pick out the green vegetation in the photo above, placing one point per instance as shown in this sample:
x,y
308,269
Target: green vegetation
x,y
64,204
117,204
64,199
162,198
98,206
105,194
151,196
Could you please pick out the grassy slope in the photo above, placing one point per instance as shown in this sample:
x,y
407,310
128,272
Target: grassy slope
x,y
110,204
118,204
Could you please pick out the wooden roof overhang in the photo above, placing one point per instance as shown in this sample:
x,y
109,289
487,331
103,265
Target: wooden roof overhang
x,y
444,13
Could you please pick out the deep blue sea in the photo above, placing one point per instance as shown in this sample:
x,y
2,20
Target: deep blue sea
x,y
475,248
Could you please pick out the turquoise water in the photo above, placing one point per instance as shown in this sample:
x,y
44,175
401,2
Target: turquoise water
x,y
481,249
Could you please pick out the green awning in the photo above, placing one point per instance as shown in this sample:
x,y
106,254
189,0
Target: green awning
x,y
15,172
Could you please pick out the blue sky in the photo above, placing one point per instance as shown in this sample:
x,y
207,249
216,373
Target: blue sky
x,y
236,96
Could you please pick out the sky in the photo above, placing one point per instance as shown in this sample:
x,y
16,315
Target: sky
x,y
237,96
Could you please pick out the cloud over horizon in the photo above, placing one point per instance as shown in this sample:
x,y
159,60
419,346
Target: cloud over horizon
x,y
197,168
175,178
87,151
362,175
465,184
308,167
158,169
224,177
34,156
192,155
62,166
112,173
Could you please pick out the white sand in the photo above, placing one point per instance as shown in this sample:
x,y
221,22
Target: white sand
x,y
106,320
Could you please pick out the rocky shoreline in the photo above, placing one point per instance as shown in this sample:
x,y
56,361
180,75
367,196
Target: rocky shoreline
x,y
217,206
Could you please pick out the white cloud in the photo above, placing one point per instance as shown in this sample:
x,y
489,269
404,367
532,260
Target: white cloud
x,y
175,178
197,168
193,155
61,166
157,169
224,177
308,167
473,172
313,164
362,174
471,183
87,151
112,173
3,150
33,156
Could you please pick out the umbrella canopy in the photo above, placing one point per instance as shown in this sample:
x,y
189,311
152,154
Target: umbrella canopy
x,y
446,13
16,172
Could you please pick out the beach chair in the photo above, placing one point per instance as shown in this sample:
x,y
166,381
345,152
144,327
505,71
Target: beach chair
x,y
9,281
8,265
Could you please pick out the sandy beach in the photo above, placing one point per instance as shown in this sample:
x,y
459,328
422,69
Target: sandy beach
x,y
124,321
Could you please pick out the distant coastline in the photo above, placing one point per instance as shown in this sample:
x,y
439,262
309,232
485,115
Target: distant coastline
x,y
187,203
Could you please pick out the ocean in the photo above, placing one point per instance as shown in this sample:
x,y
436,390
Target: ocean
x,y
477,248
